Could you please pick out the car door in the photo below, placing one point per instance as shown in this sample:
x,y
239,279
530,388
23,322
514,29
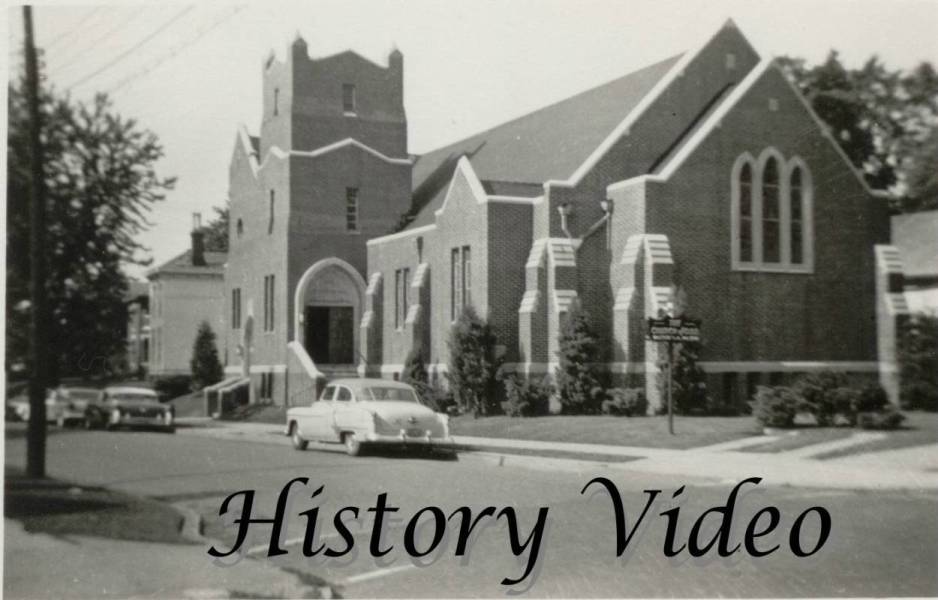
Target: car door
x,y
342,409
315,420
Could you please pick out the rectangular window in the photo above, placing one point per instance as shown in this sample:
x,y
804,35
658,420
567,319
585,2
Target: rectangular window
x,y
270,218
401,279
351,209
236,308
405,277
466,271
397,299
269,303
455,303
348,97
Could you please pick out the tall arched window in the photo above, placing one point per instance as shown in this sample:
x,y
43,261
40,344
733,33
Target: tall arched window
x,y
745,213
771,213
772,220
796,219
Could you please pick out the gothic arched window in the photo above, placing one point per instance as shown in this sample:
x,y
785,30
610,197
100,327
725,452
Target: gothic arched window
x,y
772,214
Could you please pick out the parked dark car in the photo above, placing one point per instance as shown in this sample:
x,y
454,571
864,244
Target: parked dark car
x,y
129,407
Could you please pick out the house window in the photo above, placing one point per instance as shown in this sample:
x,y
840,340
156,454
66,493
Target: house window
x,y
460,280
401,281
351,209
348,98
771,214
269,303
270,221
236,308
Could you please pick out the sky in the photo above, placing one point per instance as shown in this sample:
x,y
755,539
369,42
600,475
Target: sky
x,y
192,73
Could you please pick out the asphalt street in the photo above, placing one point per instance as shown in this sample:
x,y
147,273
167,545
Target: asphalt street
x,y
880,543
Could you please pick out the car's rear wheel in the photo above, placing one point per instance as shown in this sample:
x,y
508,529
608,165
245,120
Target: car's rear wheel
x,y
352,446
298,442
93,420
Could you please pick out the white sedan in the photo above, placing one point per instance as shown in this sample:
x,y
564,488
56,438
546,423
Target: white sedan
x,y
357,412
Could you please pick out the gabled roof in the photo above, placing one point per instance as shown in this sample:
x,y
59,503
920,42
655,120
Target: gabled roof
x,y
916,236
550,143
214,264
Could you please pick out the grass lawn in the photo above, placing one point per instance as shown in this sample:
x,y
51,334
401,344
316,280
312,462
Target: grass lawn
x,y
649,432
800,437
61,508
918,429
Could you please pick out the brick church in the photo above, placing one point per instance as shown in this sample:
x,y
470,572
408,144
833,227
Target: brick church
x,y
705,175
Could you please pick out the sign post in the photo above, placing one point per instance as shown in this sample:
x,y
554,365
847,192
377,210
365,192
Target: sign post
x,y
670,330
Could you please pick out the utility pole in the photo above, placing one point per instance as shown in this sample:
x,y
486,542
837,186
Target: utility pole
x,y
38,349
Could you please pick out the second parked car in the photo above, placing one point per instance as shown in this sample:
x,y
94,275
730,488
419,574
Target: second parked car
x,y
120,406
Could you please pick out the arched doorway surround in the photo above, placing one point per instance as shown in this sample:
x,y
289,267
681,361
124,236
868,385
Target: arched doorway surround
x,y
327,307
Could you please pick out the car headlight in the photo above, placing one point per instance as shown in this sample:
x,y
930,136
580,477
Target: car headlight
x,y
168,417
116,415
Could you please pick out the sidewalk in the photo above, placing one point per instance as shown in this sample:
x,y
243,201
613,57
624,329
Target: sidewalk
x,y
910,468
90,567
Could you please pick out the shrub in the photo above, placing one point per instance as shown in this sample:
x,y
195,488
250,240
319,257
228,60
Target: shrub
x,y
870,398
629,402
918,363
472,364
775,406
415,374
526,398
205,366
689,392
577,381
886,418
818,395
172,386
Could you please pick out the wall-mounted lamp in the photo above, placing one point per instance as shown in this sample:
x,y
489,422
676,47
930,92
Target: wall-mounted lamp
x,y
606,206
565,209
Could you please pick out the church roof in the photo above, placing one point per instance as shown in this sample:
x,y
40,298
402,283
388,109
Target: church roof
x,y
550,143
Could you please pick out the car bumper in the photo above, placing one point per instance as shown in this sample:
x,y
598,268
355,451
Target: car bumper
x,y
141,422
406,440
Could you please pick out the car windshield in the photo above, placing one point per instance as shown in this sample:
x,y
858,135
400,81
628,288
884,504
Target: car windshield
x,y
82,394
390,393
132,397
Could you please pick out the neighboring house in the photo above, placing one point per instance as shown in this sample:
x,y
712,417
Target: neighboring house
x,y
916,237
138,327
184,292
706,172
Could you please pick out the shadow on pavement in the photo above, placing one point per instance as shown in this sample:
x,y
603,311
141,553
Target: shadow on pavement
x,y
62,508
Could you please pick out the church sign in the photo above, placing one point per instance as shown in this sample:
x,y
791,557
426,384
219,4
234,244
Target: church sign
x,y
673,330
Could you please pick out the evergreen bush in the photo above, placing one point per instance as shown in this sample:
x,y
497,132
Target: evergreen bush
x,y
628,402
775,406
526,398
577,380
918,363
205,366
472,364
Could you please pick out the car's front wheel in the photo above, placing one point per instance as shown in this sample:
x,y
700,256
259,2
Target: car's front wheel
x,y
353,447
93,420
298,442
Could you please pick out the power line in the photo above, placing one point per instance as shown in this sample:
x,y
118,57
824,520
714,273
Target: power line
x,y
127,52
74,29
79,55
202,32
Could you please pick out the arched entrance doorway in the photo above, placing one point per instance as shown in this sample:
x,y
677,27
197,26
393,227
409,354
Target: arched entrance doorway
x,y
327,309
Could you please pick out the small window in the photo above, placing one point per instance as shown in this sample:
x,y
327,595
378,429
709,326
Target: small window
x,y
276,101
236,308
344,394
328,393
466,276
419,250
351,209
730,61
771,213
269,303
270,221
348,98
240,227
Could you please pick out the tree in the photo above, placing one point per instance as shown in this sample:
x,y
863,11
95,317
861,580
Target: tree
x,y
101,181
922,175
205,366
882,119
472,364
415,374
576,377
216,231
